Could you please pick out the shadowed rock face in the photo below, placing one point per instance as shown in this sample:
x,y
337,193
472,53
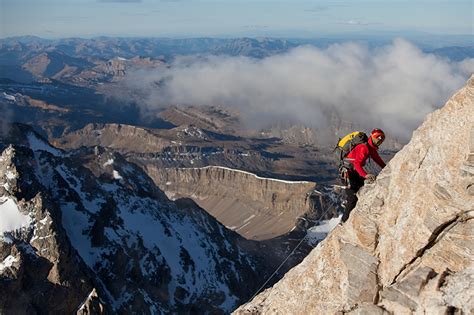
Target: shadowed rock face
x,y
255,207
87,231
41,257
407,246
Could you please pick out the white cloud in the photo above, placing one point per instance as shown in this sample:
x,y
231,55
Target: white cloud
x,y
392,87
356,22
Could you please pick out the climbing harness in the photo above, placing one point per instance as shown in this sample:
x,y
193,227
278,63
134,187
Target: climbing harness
x,y
344,175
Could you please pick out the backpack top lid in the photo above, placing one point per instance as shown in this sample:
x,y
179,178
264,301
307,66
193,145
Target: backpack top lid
x,y
349,142
354,138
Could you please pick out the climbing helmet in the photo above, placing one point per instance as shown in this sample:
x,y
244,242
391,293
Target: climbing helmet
x,y
378,136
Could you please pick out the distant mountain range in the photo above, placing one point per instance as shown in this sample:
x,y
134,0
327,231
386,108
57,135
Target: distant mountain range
x,y
86,62
455,53
107,47
13,48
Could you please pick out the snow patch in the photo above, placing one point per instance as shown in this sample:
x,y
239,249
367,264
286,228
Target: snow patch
x,y
91,204
37,144
192,132
9,97
7,263
249,218
183,236
252,174
109,162
117,175
83,304
242,226
45,220
10,175
171,195
318,233
11,218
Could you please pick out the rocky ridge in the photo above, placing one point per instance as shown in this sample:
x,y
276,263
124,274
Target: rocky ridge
x,y
115,136
213,118
408,245
190,146
92,233
255,207
37,257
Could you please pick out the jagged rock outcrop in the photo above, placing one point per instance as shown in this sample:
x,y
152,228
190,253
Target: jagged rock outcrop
x,y
408,245
91,305
255,207
38,257
87,232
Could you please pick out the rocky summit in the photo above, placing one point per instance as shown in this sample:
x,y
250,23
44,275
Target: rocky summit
x,y
87,232
407,247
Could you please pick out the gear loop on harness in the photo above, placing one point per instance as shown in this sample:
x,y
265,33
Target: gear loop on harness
x,y
344,168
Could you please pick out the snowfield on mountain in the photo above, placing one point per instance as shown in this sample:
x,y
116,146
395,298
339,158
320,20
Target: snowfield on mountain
x,y
87,220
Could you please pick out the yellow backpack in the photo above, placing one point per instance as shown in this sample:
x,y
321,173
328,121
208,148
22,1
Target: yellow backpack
x,y
348,142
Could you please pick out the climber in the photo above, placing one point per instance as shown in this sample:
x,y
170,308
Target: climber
x,y
352,171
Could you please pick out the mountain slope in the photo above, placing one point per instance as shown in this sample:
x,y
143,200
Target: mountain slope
x,y
408,245
87,223
255,207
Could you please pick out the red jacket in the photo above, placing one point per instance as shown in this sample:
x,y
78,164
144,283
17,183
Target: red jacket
x,y
359,155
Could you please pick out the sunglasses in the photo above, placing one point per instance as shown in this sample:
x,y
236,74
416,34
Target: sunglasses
x,y
378,140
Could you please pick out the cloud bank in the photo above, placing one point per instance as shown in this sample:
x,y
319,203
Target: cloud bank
x,y
392,87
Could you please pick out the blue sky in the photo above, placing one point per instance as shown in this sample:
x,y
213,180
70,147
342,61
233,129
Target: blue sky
x,y
191,18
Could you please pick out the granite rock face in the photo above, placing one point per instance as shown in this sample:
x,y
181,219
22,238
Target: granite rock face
x,y
407,247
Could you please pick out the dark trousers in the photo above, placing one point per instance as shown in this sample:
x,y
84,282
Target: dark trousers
x,y
355,183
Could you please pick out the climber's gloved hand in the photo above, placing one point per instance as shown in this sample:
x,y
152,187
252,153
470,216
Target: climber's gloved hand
x,y
370,178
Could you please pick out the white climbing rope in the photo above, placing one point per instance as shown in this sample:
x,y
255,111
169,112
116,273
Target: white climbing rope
x,y
332,203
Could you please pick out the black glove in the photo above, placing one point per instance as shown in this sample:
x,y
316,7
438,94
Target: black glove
x,y
370,178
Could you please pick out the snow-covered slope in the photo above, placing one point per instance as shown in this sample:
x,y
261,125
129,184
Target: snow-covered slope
x,y
96,222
